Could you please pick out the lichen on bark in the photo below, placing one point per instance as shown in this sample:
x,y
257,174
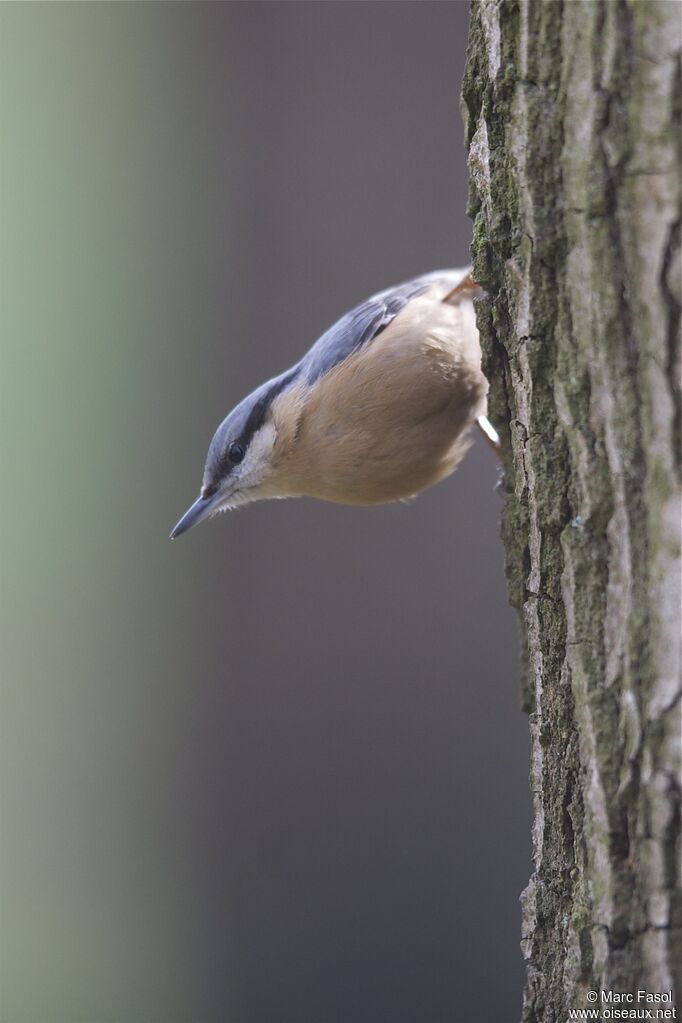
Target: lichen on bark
x,y
572,122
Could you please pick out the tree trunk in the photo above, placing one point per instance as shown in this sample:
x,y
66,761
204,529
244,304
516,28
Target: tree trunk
x,y
571,112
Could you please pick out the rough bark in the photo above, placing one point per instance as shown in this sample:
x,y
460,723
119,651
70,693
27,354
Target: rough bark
x,y
572,112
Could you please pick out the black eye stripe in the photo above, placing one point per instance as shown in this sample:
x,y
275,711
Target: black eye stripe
x,y
260,407
242,427
236,453
255,420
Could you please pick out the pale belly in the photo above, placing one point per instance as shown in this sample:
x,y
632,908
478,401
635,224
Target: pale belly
x,y
390,420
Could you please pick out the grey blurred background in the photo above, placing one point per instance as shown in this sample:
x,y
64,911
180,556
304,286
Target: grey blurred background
x,y
275,771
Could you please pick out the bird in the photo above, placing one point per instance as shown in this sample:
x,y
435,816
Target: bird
x,y
378,409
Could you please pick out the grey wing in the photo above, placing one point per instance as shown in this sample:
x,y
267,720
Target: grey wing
x,y
362,324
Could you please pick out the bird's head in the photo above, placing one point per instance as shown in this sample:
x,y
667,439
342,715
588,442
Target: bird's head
x,y
244,457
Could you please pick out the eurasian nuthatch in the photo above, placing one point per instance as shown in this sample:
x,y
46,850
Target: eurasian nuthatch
x,y
376,411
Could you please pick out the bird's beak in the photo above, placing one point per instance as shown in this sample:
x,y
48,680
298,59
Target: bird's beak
x,y
200,510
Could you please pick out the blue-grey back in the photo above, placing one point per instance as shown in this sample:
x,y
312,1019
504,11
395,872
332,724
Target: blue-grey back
x,y
362,324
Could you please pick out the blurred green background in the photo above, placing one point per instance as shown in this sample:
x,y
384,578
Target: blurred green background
x,y
276,770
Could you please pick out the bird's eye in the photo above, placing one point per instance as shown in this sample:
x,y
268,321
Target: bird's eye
x,y
236,453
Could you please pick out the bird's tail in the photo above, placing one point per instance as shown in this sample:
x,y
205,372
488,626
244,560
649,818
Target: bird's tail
x,y
467,288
